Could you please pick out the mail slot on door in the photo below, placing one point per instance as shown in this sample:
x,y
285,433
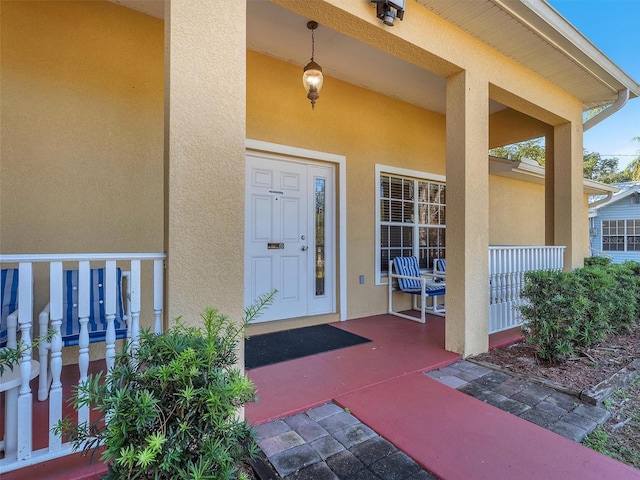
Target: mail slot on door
x,y
275,246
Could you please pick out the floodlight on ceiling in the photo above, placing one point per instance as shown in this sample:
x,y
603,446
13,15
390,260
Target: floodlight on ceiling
x,y
388,10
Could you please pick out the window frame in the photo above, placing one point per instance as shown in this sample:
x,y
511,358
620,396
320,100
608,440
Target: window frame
x,y
380,169
626,234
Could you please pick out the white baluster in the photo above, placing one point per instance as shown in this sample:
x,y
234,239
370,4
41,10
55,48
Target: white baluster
x,y
158,293
509,273
503,276
84,305
110,292
492,277
43,351
55,315
11,396
511,293
490,299
499,295
518,268
497,279
135,304
25,321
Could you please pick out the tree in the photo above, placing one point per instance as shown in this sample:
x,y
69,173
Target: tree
x,y
533,149
595,167
602,169
633,169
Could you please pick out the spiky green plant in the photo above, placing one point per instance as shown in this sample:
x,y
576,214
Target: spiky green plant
x,y
170,408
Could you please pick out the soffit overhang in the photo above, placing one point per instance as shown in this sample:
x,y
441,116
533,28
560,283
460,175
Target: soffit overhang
x,y
535,35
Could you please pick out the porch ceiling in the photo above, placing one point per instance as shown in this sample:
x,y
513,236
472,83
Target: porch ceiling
x,y
532,33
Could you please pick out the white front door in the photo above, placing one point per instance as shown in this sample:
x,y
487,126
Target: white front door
x,y
289,240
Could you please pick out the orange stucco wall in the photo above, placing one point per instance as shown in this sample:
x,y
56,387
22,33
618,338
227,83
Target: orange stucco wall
x,y
82,133
82,128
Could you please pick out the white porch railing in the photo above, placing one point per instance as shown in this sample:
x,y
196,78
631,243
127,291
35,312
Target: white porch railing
x,y
507,266
18,427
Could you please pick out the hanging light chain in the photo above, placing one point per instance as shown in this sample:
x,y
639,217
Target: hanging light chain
x,y
313,44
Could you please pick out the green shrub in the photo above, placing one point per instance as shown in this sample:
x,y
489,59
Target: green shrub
x,y
598,283
170,409
625,296
564,311
556,305
597,262
632,283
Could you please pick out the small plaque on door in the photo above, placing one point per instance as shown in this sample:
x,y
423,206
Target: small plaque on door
x,y
275,246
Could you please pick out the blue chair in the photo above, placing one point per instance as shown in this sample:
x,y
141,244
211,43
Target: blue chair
x,y
410,280
9,293
97,323
97,326
440,267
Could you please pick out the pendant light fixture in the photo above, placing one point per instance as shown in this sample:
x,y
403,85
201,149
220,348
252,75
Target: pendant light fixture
x,y
312,73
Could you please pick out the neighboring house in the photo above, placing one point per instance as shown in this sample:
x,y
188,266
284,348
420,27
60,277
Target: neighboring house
x,y
614,224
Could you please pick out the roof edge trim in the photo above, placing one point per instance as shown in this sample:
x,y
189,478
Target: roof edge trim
x,y
563,27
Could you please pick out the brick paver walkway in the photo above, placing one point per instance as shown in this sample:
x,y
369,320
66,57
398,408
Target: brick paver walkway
x,y
328,443
561,413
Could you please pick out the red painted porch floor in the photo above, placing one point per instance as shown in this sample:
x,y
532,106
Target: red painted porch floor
x,y
398,347
451,434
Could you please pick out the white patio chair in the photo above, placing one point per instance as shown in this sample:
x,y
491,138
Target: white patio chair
x,y
440,268
422,286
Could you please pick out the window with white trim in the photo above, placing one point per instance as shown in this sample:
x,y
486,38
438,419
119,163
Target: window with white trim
x,y
411,220
621,235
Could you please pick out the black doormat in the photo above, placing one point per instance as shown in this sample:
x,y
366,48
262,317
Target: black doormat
x,y
278,347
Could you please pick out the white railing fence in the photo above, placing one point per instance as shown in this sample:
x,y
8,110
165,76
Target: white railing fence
x,y
18,444
507,266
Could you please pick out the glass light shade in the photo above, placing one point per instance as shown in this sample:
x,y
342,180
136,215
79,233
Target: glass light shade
x,y
312,77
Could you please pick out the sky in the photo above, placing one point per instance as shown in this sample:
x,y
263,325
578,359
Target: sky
x,y
613,26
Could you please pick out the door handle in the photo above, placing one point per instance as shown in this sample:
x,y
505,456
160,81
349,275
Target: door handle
x,y
304,248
